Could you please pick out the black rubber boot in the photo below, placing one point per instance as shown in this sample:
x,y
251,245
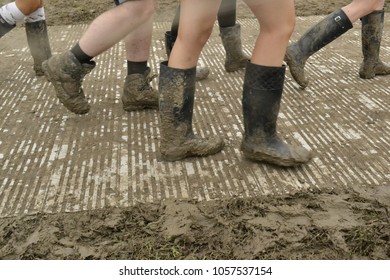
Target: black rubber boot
x,y
176,102
318,36
372,30
231,40
5,27
38,42
201,72
262,94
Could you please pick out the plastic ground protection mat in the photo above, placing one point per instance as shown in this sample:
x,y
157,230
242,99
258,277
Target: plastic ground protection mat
x,y
52,160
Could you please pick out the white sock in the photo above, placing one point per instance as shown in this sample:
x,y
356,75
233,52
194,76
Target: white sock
x,y
11,13
38,15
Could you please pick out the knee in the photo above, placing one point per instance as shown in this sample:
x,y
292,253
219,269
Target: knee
x,y
284,30
29,6
143,9
195,38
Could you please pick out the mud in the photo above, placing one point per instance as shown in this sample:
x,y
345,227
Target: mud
x,y
308,225
304,225
73,11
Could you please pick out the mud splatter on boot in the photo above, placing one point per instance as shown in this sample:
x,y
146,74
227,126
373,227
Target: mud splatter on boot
x,y
317,37
137,92
38,42
201,72
372,30
262,93
231,39
177,89
66,74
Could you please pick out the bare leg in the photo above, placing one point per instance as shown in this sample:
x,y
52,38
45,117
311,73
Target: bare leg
x,y
196,23
113,25
28,6
277,21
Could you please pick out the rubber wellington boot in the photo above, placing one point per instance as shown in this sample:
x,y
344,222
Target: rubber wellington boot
x,y
201,72
38,42
177,89
318,36
66,74
5,27
372,30
231,40
137,92
262,93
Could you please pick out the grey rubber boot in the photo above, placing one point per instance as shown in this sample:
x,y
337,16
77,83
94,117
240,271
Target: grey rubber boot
x,y
231,40
262,94
201,72
5,27
372,30
137,92
318,36
66,74
177,89
38,42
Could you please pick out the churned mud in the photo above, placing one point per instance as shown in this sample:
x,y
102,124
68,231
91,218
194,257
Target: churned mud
x,y
325,225
303,225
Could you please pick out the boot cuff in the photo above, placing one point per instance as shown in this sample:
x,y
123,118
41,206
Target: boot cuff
x,y
377,15
264,77
180,77
342,20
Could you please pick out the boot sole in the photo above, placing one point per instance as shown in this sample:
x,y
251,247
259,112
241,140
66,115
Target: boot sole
x,y
260,157
139,108
189,154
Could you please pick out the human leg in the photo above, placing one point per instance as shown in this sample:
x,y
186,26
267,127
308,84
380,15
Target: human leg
x,y
32,12
67,71
372,30
137,92
170,39
263,86
15,12
37,38
230,33
177,84
323,33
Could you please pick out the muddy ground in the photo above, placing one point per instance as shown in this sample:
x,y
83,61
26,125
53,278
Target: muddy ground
x,y
306,225
74,11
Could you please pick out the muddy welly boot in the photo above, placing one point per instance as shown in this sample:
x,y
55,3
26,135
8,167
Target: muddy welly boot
x,y
137,92
231,40
5,27
372,30
318,36
38,42
201,72
176,101
262,93
66,74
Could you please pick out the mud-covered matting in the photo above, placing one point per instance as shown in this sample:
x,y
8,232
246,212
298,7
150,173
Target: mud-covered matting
x,y
54,161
